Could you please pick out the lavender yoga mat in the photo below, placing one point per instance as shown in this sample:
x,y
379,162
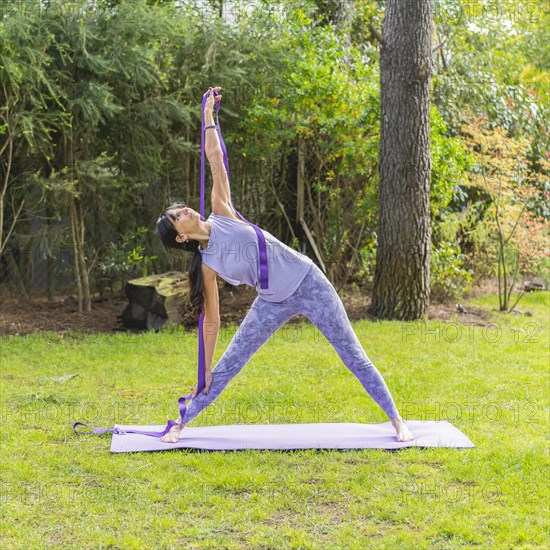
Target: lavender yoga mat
x,y
293,436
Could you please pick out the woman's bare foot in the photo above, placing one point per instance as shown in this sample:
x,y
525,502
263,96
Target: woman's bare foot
x,y
174,434
403,433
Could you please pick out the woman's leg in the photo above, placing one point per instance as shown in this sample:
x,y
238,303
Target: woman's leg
x,y
320,303
262,320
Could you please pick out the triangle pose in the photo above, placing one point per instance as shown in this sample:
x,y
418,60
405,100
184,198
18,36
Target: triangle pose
x,y
288,283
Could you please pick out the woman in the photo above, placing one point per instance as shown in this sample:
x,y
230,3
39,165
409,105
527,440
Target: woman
x,y
226,246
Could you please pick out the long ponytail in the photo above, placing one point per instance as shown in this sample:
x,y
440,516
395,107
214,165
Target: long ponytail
x,y
196,283
168,236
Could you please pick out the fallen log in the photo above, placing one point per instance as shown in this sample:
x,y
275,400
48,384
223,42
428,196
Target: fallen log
x,y
536,284
156,300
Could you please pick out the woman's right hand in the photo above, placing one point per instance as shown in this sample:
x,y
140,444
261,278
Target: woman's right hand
x,y
207,382
209,106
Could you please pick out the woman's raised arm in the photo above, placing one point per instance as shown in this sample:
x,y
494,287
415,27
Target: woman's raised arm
x,y
221,192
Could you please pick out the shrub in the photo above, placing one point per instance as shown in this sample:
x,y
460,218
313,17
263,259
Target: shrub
x,y
449,278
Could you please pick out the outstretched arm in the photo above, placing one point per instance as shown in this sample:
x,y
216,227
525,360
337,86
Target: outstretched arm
x,y
221,192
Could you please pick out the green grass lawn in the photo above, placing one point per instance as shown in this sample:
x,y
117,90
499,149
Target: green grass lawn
x,y
65,490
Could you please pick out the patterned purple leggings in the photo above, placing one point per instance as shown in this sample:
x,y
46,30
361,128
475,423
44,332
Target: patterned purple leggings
x,y
317,299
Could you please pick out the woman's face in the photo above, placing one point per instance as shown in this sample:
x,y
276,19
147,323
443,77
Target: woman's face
x,y
184,219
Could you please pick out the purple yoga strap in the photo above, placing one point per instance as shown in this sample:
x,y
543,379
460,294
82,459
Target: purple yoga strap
x,y
264,283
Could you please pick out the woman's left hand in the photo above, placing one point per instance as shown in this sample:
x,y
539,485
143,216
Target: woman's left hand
x,y
211,98
207,382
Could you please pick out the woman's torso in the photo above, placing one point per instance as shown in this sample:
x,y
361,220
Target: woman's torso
x,y
232,252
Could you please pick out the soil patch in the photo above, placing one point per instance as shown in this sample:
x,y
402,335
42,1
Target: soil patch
x,y
61,315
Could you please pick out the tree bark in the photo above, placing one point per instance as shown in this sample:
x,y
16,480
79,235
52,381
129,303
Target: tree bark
x,y
82,259
402,274
50,265
187,171
81,270
15,275
74,232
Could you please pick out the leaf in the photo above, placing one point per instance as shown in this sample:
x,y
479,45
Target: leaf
x,y
60,379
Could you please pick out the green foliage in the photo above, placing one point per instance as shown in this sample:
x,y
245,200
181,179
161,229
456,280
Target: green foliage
x,y
511,240
491,87
365,272
449,277
494,62
123,260
326,97
103,107
138,258
450,162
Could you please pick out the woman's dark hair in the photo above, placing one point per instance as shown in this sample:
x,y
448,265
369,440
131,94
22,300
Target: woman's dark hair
x,y
168,236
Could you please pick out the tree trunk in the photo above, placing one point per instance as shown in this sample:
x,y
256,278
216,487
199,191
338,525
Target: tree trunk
x,y
78,230
26,265
15,276
402,275
74,233
301,184
81,270
82,259
50,265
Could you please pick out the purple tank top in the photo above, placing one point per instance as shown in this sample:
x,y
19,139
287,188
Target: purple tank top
x,y
232,252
